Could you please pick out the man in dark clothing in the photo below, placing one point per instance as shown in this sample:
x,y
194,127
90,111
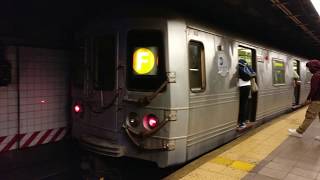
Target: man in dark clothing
x,y
313,100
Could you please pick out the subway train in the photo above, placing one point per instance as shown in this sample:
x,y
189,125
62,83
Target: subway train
x,y
164,89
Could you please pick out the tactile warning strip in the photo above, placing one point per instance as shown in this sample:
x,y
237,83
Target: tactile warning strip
x,y
236,159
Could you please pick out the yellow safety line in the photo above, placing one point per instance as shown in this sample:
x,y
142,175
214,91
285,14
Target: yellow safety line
x,y
236,159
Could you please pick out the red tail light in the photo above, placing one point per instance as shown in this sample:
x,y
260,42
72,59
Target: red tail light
x,y
77,108
150,121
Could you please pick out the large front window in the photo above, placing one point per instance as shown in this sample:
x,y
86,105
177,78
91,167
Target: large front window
x,y
102,52
146,63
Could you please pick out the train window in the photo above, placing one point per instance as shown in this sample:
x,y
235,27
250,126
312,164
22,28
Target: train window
x,y
104,62
146,62
196,66
246,54
278,71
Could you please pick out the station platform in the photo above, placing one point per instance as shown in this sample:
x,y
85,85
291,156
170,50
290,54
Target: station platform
x,y
263,153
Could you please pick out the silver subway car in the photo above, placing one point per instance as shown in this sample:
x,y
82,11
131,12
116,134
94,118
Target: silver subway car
x,y
165,89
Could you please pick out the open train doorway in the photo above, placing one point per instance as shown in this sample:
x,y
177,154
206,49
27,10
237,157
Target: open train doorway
x,y
248,98
296,83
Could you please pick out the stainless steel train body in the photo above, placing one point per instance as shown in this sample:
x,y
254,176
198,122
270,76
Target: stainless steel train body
x,y
188,105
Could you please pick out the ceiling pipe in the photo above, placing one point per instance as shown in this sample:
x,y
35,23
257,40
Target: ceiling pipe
x,y
294,18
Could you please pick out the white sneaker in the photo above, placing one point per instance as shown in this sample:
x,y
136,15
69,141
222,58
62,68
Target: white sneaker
x,y
293,132
317,138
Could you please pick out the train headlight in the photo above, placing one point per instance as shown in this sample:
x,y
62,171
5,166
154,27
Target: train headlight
x,y
150,121
133,119
143,61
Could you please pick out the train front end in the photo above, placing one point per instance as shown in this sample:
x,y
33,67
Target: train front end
x,y
121,106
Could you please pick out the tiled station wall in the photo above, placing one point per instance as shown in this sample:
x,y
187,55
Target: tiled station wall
x,y
43,96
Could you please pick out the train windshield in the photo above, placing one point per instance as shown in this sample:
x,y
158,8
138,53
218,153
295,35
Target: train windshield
x,y
145,60
104,59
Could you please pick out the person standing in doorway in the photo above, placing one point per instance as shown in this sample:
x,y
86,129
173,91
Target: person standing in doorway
x,y
296,86
313,100
245,74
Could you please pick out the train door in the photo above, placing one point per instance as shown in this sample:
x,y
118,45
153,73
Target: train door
x,y
100,82
296,82
248,98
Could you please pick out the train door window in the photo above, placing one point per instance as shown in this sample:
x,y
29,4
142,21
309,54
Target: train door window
x,y
246,54
146,62
296,68
196,67
278,71
104,62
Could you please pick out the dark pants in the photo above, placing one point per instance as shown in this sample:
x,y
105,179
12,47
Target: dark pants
x,y
243,106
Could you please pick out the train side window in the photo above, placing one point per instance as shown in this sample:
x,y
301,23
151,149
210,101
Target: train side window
x,y
246,54
197,78
278,72
104,62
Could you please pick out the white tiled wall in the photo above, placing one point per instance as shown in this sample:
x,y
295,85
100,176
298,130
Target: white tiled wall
x,y
43,92
43,89
8,100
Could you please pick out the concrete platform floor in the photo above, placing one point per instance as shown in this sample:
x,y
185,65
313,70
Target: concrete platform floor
x,y
264,153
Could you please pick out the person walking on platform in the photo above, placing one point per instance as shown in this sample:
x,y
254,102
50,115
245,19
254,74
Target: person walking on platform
x,y
313,100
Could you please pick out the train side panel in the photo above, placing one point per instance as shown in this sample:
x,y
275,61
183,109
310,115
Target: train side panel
x,y
211,123
274,98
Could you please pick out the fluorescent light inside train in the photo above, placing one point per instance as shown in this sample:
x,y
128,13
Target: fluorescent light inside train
x,y
316,5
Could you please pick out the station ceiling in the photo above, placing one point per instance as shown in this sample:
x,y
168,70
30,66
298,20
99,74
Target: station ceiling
x,y
291,25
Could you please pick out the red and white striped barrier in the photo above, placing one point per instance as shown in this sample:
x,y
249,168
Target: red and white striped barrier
x,y
31,139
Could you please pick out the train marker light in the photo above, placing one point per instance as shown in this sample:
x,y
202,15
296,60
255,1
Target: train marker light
x,y
133,119
150,121
153,123
143,61
77,108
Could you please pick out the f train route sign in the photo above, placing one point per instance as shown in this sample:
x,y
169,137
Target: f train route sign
x,y
144,61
